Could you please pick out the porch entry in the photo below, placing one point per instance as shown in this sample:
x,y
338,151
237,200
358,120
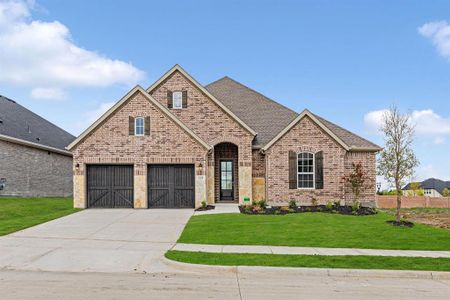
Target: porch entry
x,y
226,180
226,172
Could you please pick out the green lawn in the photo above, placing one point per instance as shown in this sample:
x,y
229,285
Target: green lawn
x,y
313,230
21,213
312,261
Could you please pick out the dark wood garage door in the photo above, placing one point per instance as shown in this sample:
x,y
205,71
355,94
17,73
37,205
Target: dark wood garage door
x,y
171,186
110,186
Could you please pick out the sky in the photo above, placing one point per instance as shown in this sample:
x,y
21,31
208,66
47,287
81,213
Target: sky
x,y
347,61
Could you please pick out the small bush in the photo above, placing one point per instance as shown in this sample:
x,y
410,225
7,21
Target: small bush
x,y
314,201
337,204
329,206
203,204
292,204
262,204
355,207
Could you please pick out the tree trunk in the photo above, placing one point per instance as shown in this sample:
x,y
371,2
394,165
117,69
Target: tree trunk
x,y
399,205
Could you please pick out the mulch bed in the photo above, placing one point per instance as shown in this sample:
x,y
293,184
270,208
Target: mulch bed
x,y
207,207
402,223
283,210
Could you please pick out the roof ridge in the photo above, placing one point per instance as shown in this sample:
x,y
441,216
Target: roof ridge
x,y
255,91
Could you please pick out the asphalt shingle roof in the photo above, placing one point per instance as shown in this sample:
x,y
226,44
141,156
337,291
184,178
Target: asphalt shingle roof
x,y
432,183
18,122
267,117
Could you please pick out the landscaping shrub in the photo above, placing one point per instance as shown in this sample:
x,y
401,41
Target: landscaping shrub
x,y
292,204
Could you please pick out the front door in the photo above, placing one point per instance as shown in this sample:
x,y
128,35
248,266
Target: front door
x,y
226,180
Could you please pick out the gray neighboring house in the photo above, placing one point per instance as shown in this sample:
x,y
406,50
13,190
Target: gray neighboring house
x,y
432,187
33,158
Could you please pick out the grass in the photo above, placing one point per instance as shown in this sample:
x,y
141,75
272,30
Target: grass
x,y
312,261
313,230
20,213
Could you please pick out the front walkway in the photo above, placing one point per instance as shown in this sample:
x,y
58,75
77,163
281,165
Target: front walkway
x,y
306,250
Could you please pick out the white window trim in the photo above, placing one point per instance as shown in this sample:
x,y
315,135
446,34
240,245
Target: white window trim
x,y
173,100
143,126
313,172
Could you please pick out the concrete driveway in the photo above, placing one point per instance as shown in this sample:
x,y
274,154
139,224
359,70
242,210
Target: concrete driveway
x,y
96,240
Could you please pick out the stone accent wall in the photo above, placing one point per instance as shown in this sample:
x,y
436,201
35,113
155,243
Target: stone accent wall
x,y
167,143
32,172
307,136
210,122
259,175
368,161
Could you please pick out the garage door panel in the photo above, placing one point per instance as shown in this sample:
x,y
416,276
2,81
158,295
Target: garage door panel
x,y
171,186
110,186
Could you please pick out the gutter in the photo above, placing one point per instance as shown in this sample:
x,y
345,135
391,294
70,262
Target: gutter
x,y
34,145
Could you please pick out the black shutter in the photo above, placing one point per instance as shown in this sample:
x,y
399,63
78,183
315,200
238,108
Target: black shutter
x,y
169,99
292,170
319,170
130,125
147,125
184,99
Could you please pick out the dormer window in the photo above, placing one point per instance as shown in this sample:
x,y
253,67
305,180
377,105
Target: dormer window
x,y
139,126
177,98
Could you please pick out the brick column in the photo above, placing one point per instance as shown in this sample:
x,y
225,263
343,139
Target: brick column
x,y
79,186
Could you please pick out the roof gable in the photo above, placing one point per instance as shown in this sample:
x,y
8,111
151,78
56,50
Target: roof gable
x,y
203,90
305,113
20,125
116,106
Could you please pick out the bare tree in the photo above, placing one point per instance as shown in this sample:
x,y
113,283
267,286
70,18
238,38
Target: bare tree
x,y
397,160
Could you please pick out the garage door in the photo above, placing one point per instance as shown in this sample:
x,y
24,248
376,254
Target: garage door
x,y
110,186
171,186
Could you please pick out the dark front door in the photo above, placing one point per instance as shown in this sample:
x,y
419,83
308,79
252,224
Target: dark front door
x,y
226,180
110,186
171,186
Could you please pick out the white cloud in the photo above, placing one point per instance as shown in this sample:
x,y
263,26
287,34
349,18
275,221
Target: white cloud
x,y
92,116
439,34
48,93
42,54
426,122
439,140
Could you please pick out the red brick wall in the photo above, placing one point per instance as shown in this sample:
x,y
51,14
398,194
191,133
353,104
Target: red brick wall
x,y
110,142
412,201
259,164
205,117
368,161
307,136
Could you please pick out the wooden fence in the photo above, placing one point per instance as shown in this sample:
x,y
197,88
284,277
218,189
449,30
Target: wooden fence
x,y
413,201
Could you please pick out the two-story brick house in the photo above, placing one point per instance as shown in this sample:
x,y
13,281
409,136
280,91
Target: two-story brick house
x,y
179,143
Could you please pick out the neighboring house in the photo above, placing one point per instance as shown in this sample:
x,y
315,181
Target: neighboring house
x,y
179,143
33,158
431,187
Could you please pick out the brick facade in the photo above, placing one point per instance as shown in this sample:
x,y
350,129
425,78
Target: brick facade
x,y
111,143
368,161
211,123
259,176
31,172
308,136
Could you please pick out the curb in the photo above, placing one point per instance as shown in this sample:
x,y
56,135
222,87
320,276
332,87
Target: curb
x,y
329,272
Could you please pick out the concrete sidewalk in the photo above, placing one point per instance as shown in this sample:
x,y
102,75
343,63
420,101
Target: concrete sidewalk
x,y
307,250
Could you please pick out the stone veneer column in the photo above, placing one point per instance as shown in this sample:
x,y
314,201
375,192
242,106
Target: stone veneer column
x,y
245,182
211,184
140,186
200,185
259,188
79,188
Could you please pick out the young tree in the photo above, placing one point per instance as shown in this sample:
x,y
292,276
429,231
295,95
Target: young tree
x,y
356,180
397,161
415,187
